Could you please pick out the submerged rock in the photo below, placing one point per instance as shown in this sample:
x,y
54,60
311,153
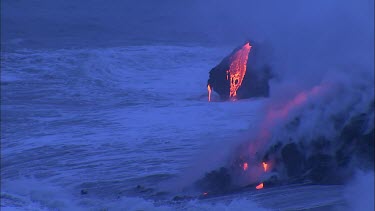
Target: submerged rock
x,y
84,192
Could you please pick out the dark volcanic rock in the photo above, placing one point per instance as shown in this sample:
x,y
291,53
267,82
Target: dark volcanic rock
x,y
182,198
353,141
343,156
365,148
320,144
354,128
255,80
293,159
271,151
255,83
271,182
315,159
321,168
218,78
217,181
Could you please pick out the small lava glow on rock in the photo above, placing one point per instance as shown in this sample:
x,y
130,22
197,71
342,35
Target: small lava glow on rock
x,y
265,165
260,186
245,166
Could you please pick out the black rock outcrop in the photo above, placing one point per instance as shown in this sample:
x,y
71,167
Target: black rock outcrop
x,y
242,74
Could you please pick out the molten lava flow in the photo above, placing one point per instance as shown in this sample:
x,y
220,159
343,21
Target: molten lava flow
x,y
237,69
265,166
301,98
209,92
276,114
245,166
260,186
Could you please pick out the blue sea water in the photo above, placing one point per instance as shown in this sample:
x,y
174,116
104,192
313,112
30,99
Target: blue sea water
x,y
102,97
105,120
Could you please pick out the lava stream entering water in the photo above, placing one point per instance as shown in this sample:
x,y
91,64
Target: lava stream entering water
x,y
209,92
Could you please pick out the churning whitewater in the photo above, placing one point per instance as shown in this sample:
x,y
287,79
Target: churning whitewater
x,y
187,105
114,128
79,120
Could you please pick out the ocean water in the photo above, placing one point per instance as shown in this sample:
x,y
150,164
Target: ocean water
x,y
106,120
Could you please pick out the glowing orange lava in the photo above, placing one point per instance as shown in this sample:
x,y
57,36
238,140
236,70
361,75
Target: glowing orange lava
x,y
260,186
277,113
237,69
209,92
265,165
299,99
245,166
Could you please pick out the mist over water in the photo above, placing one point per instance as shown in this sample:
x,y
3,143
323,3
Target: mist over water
x,y
105,96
